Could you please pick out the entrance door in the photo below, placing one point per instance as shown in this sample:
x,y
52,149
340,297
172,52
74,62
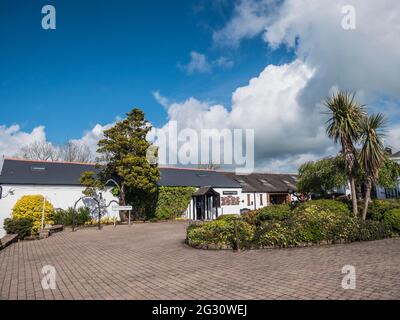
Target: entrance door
x,y
200,208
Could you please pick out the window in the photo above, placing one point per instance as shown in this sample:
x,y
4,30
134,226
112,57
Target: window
x,y
241,181
261,200
38,169
265,182
248,199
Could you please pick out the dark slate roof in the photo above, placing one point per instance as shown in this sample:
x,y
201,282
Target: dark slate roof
x,y
15,171
265,182
178,177
205,190
395,155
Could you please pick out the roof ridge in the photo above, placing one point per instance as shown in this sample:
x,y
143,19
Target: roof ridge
x,y
50,161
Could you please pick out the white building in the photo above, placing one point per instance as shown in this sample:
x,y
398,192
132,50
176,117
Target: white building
x,y
216,192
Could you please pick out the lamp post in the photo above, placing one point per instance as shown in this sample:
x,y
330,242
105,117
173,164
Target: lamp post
x,y
43,207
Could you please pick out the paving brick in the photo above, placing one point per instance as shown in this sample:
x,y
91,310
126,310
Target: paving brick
x,y
151,261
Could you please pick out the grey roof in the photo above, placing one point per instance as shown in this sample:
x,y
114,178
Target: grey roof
x,y
205,190
265,182
175,177
395,155
16,171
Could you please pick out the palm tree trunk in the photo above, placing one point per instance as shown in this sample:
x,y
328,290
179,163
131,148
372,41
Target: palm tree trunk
x,y
367,198
354,195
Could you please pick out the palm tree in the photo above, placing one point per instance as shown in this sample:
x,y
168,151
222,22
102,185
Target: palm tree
x,y
372,154
344,127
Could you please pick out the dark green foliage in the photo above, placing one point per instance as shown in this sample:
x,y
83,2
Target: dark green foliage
x,y
172,202
220,233
22,227
229,217
313,222
392,218
372,230
322,176
326,205
65,217
124,152
276,212
377,209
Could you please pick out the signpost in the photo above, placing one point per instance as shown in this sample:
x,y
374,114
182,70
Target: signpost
x,y
123,208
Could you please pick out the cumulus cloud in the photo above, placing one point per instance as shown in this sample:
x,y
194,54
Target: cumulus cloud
x,y
284,130
249,19
12,138
365,59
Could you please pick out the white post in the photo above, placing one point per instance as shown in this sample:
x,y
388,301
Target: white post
x,y
129,218
44,202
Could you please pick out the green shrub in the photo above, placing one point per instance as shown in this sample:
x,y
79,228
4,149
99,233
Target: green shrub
x,y
372,230
275,212
312,222
326,205
392,218
251,217
66,217
377,208
22,227
229,217
220,233
172,202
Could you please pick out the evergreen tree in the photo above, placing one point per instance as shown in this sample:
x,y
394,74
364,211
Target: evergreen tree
x,y
123,158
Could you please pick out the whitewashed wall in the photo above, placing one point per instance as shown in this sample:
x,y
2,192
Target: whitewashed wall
x,y
60,196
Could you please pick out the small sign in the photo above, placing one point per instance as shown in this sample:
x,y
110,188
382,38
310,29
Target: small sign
x,y
231,193
121,208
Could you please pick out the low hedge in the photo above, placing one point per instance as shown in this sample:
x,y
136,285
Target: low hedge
x,y
314,222
219,234
377,209
66,217
392,218
22,227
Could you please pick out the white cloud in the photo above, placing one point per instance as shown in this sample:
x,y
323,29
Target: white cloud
x,y
284,130
198,63
160,99
12,138
224,62
392,138
91,137
249,19
365,59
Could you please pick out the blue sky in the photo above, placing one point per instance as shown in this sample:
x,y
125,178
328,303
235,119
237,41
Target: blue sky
x,y
243,64
106,57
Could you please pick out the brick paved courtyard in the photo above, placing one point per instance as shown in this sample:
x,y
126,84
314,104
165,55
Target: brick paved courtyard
x,y
150,261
